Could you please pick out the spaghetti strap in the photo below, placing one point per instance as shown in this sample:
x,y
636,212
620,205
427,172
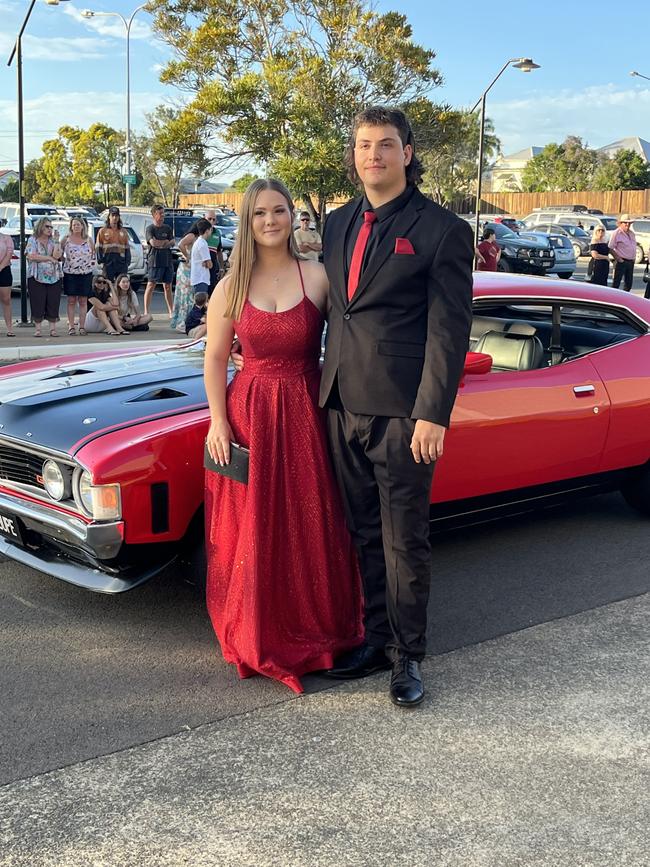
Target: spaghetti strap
x,y
302,282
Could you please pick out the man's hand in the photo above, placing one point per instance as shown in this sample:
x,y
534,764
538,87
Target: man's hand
x,y
235,355
427,441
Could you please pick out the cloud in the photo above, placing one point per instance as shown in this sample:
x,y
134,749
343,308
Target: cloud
x,y
598,114
109,26
45,114
56,48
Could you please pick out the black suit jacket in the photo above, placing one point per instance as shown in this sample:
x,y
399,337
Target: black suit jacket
x,y
398,348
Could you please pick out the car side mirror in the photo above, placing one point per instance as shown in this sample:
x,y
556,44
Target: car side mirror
x,y
477,363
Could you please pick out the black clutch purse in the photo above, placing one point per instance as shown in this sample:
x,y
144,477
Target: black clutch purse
x,y
237,469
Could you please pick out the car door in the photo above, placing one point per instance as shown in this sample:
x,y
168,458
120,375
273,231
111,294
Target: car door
x,y
518,428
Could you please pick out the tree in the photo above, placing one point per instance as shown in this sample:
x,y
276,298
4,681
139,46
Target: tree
x,y
278,81
449,143
242,184
10,192
176,147
626,170
569,166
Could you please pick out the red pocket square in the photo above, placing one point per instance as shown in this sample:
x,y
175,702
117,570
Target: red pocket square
x,y
404,246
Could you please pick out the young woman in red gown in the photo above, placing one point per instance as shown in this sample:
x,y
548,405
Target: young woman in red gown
x,y
283,587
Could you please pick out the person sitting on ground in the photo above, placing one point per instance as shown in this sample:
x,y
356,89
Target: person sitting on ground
x,y
103,314
130,316
195,325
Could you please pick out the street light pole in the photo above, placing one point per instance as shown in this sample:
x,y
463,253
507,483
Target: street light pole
x,y
639,75
17,52
89,13
525,64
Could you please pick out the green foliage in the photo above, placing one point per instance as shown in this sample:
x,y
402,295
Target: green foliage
x,y
10,192
176,147
449,143
242,184
278,81
626,170
568,166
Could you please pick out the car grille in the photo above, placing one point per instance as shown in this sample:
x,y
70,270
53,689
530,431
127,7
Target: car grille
x,y
19,466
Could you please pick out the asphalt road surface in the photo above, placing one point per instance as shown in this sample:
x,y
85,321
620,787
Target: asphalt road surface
x,y
84,675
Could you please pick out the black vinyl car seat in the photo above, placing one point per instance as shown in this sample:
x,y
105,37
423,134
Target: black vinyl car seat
x,y
511,350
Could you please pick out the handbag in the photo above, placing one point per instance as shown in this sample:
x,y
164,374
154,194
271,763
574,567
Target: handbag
x,y
237,469
646,274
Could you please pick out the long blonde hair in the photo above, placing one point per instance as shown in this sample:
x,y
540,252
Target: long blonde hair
x,y
84,226
244,253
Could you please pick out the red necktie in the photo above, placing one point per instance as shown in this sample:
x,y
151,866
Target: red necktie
x,y
361,243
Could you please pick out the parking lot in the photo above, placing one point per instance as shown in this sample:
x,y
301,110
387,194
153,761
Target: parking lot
x,y
531,747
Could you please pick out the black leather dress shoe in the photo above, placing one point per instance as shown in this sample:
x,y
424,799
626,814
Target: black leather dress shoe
x,y
360,662
406,688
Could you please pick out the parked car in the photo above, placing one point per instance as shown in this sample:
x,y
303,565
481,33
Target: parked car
x,y
580,239
510,223
84,211
529,255
641,229
32,209
101,454
565,260
226,225
581,219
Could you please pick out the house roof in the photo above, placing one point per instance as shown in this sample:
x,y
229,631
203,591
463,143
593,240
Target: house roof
x,y
633,143
4,172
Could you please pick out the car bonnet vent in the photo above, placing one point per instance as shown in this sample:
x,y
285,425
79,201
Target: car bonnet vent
x,y
66,374
158,394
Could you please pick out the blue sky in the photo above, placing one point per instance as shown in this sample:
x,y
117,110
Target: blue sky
x,y
74,68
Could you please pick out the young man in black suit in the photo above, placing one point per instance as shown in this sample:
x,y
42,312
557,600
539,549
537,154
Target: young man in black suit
x,y
400,272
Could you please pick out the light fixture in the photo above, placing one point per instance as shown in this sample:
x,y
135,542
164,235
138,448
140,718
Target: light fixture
x,y
525,64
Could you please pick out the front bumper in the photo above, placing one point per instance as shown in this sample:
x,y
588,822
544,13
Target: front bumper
x,y
70,549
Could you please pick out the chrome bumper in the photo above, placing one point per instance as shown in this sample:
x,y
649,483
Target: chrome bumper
x,y
96,542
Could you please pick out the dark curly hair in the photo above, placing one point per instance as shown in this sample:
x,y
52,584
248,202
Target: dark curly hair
x,y
381,115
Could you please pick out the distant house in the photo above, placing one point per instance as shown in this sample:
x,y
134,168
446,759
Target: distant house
x,y
504,175
6,177
198,185
632,143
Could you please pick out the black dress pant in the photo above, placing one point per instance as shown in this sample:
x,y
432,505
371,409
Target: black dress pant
x,y
386,499
624,269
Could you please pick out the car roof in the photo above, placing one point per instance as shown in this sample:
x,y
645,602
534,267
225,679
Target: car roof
x,y
489,284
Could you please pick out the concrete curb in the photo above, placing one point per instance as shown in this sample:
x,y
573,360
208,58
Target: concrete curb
x,y
9,355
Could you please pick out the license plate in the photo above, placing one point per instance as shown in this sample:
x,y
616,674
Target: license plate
x,y
10,528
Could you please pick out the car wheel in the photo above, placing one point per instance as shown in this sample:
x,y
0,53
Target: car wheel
x,y
577,252
565,275
637,491
639,256
504,266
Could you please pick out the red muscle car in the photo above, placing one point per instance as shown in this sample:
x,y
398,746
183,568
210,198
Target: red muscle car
x,y
101,455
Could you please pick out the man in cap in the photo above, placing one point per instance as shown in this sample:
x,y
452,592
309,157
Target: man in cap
x,y
623,247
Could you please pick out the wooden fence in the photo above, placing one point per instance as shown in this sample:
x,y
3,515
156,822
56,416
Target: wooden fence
x,y
635,202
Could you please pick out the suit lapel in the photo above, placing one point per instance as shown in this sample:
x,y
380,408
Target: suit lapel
x,y
340,282
405,220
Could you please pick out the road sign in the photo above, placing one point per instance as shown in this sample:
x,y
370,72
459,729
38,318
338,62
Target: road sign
x,y
129,179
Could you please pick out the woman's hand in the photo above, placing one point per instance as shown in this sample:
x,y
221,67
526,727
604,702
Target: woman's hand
x,y
218,441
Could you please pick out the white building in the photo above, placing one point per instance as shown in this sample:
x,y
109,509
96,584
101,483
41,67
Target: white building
x,y
504,175
631,143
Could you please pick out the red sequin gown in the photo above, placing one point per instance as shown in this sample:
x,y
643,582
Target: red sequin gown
x,y
283,587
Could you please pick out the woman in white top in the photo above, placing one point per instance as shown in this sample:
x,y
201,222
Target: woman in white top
x,y
129,309
201,261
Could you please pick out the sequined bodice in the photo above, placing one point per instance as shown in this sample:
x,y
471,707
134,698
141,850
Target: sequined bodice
x,y
280,344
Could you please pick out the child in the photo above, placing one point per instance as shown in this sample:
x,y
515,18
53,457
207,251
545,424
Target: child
x,y
195,325
130,317
200,259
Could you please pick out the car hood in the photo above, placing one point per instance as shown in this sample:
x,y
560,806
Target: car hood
x,y
529,240
58,406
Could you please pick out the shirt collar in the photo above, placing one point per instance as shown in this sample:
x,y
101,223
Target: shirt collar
x,y
383,212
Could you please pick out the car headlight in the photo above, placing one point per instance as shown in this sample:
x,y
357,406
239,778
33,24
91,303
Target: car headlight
x,y
101,502
54,481
524,254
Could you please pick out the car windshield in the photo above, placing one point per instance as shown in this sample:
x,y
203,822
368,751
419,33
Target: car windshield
x,y
225,221
501,231
609,223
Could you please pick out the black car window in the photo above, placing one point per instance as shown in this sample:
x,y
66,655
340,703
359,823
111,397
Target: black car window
x,y
583,328
641,226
